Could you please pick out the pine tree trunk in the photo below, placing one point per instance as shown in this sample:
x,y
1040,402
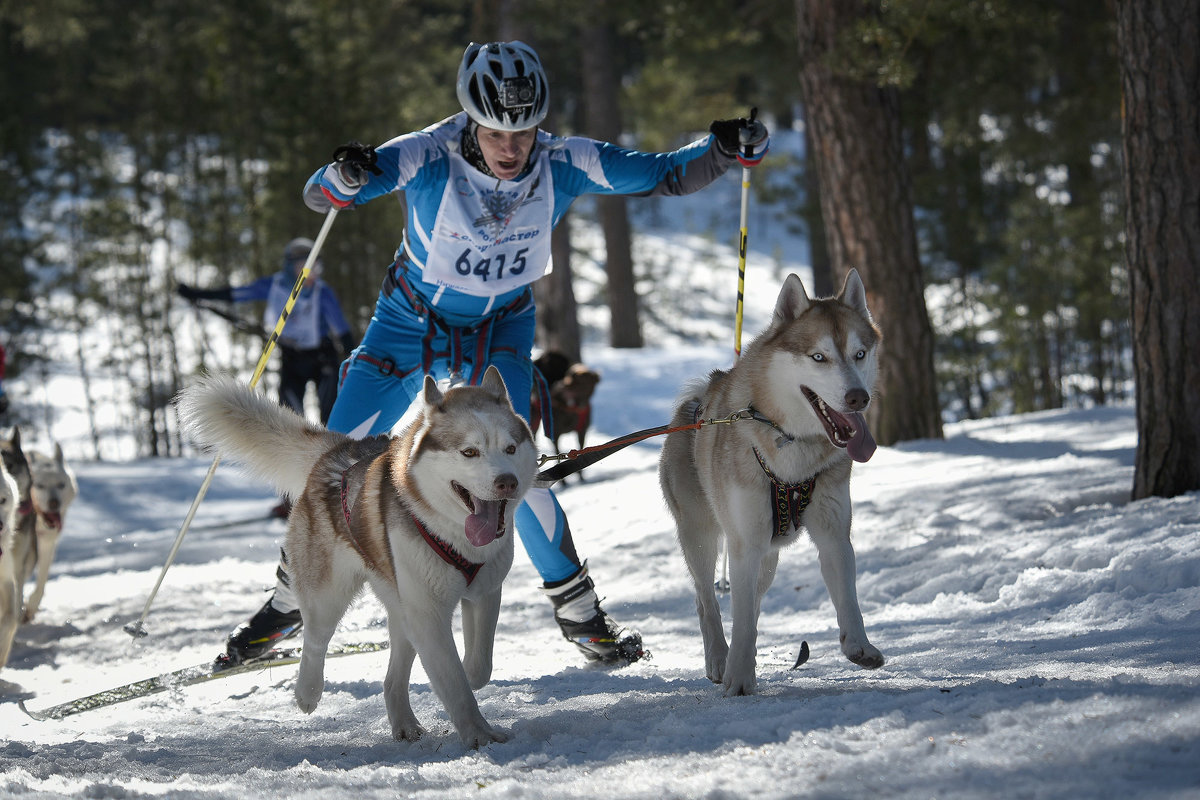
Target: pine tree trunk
x,y
558,322
603,119
1160,81
867,207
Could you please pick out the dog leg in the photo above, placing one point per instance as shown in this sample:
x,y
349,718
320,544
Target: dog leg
x,y
836,555
751,572
10,611
405,727
700,544
479,635
431,634
47,543
321,609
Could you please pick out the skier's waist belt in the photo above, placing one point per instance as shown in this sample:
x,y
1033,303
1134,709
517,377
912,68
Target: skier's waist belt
x,y
477,336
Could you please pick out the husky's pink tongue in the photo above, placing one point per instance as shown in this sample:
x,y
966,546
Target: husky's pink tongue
x,y
862,446
481,526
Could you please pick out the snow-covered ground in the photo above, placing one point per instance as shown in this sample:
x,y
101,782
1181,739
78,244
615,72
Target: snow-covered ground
x,y
1041,633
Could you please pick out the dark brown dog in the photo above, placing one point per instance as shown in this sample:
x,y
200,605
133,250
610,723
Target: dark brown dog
x,y
571,402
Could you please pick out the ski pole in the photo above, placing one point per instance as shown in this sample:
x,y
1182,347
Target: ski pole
x,y
743,237
137,629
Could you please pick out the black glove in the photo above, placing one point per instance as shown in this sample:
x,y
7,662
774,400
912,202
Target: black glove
x,y
747,139
192,294
353,161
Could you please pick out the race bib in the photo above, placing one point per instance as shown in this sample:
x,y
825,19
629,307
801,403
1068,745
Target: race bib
x,y
490,236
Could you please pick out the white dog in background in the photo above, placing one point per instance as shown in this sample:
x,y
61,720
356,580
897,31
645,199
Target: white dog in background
x,y
52,492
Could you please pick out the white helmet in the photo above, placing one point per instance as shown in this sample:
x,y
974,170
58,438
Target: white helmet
x,y
502,85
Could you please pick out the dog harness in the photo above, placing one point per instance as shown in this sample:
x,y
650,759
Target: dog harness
x,y
788,500
445,550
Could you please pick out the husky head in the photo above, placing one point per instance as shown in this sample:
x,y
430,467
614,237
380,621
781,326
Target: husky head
x,y
828,348
17,465
473,457
53,488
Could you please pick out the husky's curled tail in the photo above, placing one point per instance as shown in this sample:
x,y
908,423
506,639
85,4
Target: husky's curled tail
x,y
266,439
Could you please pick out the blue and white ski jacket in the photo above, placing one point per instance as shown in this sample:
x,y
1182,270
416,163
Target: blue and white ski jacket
x,y
472,242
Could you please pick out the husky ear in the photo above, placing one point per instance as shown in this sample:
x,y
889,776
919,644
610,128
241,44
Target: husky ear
x,y
793,300
494,383
854,294
433,395
58,455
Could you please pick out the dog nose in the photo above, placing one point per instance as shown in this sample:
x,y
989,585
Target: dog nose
x,y
506,484
857,399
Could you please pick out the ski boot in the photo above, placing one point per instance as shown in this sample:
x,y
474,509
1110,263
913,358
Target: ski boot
x,y
253,639
583,623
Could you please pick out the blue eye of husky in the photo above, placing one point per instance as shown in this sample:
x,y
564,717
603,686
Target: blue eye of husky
x,y
860,355
469,452
818,356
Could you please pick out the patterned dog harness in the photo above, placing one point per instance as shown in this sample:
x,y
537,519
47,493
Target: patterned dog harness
x,y
788,500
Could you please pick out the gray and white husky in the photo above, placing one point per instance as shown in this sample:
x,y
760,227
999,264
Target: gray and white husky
x,y
801,387
51,492
426,518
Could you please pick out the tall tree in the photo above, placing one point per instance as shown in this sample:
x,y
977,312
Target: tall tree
x,y
1160,80
603,115
867,208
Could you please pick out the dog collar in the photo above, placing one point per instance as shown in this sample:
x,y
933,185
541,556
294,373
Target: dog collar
x,y
788,500
469,569
444,549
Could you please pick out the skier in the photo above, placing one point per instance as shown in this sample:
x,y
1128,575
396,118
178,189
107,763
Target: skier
x,y
483,189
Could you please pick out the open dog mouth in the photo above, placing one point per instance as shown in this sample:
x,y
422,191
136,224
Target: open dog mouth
x,y
52,520
848,431
485,523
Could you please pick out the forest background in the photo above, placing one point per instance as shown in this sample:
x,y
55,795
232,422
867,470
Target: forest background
x,y
139,133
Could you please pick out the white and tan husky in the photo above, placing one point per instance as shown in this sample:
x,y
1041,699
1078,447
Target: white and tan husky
x,y
426,518
801,387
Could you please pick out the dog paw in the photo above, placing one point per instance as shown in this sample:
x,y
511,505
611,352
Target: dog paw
x,y
714,663
407,731
307,697
865,655
482,737
739,685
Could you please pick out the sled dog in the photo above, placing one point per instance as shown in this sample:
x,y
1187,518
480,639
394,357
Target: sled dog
x,y
426,518
801,387
10,597
52,489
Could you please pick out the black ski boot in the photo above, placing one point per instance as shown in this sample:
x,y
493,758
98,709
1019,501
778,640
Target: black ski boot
x,y
260,634
583,623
